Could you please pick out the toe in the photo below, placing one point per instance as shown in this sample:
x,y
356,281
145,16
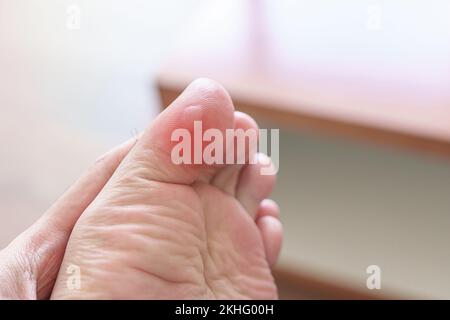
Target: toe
x,y
253,186
268,207
203,105
243,148
272,235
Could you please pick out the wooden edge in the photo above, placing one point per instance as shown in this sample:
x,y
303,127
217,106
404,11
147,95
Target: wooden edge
x,y
334,127
300,284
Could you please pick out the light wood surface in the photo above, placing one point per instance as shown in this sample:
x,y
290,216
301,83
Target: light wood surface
x,y
324,68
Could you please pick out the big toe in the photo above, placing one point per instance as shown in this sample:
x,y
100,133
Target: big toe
x,y
171,148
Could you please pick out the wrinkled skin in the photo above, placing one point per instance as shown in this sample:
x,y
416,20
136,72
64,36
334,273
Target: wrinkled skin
x,y
149,229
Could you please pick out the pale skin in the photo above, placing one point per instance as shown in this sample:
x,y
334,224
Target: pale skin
x,y
140,227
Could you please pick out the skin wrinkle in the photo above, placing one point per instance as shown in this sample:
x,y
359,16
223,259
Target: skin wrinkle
x,y
142,166
205,254
155,226
163,277
158,275
20,270
151,218
33,258
162,237
209,260
47,260
134,212
152,223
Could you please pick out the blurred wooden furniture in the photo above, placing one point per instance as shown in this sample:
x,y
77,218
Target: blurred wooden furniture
x,y
333,68
345,69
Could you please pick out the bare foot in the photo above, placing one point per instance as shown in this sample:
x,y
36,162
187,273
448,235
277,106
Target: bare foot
x,y
30,264
159,230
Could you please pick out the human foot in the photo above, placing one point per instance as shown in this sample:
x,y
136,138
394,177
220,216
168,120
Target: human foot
x,y
159,230
29,265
